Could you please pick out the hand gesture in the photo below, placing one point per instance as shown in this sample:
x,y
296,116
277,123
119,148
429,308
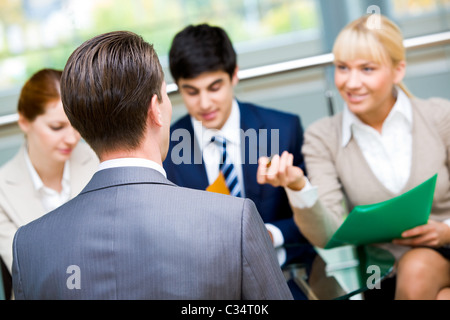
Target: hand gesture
x,y
280,171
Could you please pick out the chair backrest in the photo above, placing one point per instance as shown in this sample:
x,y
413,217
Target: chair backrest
x,y
2,288
5,282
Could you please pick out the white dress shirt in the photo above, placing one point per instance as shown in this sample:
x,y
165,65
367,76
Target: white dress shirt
x,y
388,153
131,162
50,198
211,153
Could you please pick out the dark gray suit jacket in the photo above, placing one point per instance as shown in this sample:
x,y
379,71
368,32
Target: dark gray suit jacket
x,y
132,234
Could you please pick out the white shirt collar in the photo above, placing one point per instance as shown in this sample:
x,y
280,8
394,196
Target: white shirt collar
x,y
230,130
37,181
402,106
131,162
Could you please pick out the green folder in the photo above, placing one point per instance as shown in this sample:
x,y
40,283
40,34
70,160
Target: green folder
x,y
385,221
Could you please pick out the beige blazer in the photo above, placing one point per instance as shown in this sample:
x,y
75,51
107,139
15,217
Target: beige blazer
x,y
344,177
19,203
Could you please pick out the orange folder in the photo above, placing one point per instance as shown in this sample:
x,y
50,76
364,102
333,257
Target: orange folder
x,y
219,186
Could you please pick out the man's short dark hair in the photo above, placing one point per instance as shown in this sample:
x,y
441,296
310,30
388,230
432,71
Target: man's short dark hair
x,y
106,89
199,49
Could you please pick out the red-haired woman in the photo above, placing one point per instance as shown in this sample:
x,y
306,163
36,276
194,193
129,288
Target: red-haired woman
x,y
50,168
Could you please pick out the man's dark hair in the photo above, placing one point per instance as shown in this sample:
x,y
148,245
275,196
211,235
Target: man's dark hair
x,y
199,49
106,89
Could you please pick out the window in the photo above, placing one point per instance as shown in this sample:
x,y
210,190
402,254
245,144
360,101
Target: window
x,y
420,17
404,8
43,33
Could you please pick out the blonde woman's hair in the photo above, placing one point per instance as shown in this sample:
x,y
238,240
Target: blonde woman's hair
x,y
373,37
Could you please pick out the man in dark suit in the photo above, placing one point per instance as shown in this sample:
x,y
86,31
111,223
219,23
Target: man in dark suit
x,y
203,65
129,233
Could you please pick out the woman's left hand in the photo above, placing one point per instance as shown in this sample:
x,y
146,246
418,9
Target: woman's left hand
x,y
433,234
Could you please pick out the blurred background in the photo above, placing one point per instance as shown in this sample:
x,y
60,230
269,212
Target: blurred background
x,y
283,46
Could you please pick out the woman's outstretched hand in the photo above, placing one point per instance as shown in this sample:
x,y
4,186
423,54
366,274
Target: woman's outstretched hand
x,y
280,171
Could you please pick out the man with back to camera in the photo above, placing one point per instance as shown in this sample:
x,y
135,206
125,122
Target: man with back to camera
x,y
203,65
128,234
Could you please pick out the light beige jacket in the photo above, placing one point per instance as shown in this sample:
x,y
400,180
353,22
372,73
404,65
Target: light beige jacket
x,y
343,176
19,203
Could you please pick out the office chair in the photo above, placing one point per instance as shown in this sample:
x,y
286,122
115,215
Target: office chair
x,y
5,282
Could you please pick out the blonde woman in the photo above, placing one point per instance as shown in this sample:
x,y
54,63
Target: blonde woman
x,y
384,143
50,168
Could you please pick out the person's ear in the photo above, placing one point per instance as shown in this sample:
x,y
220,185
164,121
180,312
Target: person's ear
x,y
24,123
154,112
399,72
235,78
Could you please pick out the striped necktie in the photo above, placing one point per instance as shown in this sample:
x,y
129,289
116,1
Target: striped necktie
x,y
227,168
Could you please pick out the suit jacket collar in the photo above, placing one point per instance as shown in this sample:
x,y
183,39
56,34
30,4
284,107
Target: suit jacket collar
x,y
17,172
250,120
16,185
118,176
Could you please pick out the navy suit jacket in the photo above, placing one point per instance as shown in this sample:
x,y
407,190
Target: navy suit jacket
x,y
272,203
